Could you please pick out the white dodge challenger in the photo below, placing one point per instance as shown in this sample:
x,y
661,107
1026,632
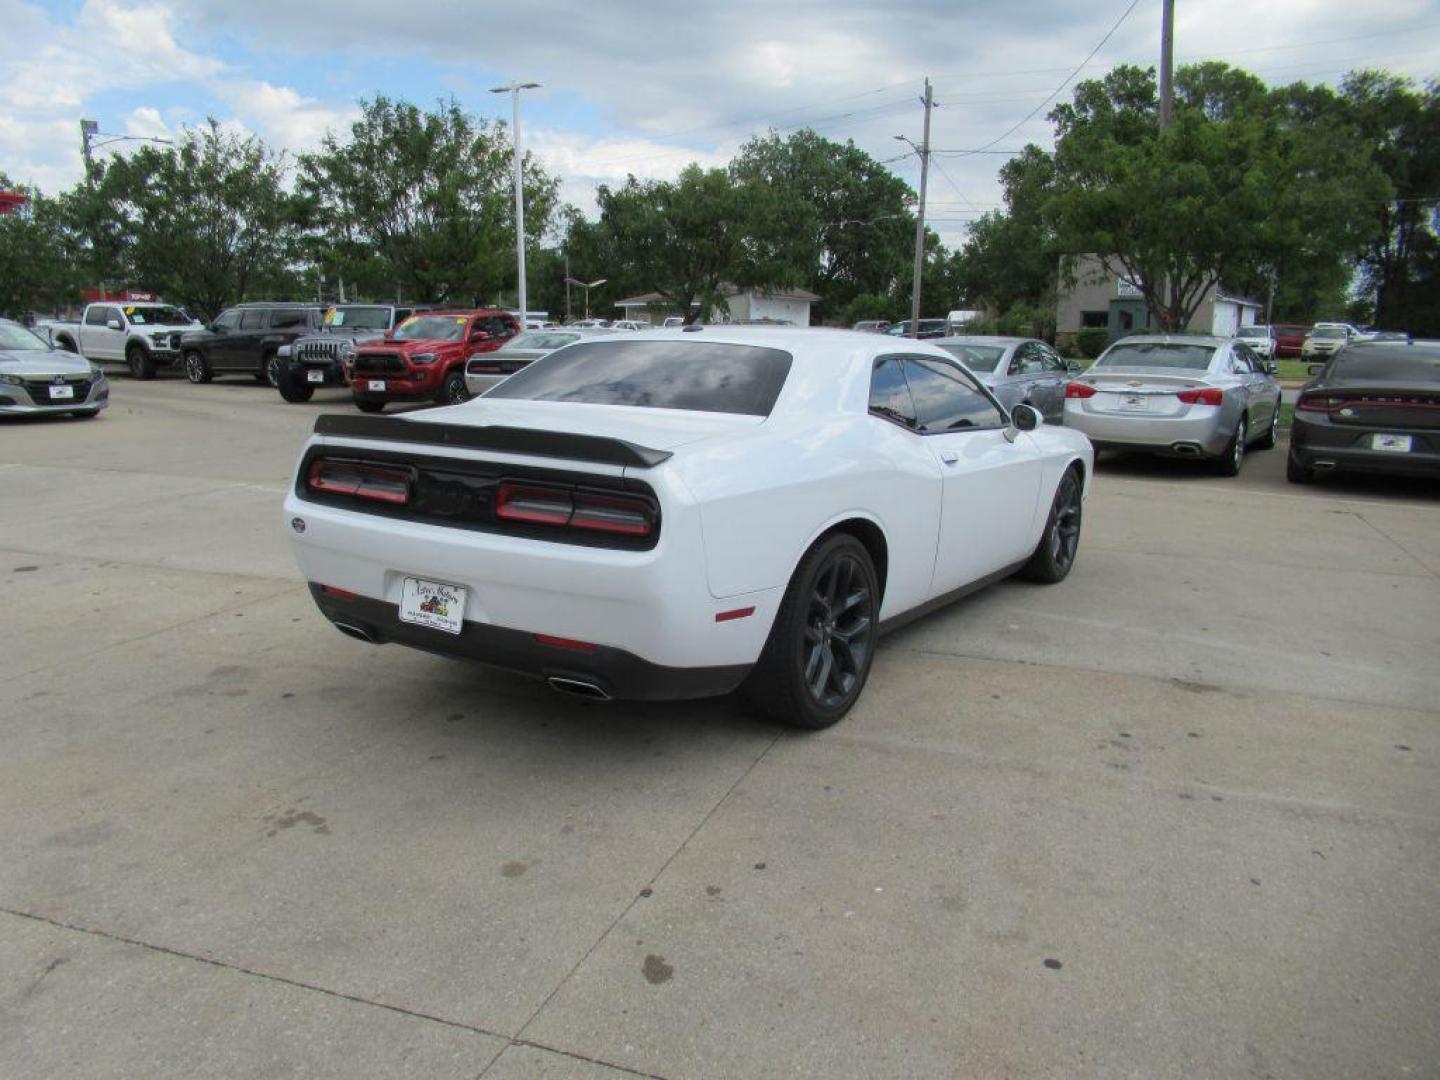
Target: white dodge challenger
x,y
681,513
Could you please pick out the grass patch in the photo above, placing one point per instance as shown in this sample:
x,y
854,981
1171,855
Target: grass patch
x,y
1287,416
1294,369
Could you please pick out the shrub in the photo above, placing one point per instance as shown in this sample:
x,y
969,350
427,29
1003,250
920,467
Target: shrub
x,y
1091,341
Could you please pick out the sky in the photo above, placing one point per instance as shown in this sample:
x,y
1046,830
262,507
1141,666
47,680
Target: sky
x,y
644,87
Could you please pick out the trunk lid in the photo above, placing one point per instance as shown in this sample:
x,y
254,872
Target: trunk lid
x,y
1139,391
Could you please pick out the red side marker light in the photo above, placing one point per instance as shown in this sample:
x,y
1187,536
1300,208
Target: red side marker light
x,y
565,643
731,616
338,594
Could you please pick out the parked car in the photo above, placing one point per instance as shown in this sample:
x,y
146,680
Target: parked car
x,y
1325,340
674,515
246,340
1289,340
672,322
141,336
1392,337
423,359
1018,371
629,324
1205,397
1375,407
1261,340
872,326
36,377
318,360
929,328
484,371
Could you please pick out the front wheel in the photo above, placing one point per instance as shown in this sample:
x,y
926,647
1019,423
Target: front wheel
x,y
142,364
292,388
1228,464
453,390
196,369
1060,542
822,643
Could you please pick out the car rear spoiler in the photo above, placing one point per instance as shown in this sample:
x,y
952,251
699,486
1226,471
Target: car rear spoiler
x,y
510,440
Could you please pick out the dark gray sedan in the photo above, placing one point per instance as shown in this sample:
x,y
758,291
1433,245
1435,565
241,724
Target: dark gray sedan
x,y
1018,371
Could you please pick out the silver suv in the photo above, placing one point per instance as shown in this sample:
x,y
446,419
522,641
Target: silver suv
x,y
319,360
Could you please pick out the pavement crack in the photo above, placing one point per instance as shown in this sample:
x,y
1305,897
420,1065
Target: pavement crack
x,y
1424,567
242,970
519,1035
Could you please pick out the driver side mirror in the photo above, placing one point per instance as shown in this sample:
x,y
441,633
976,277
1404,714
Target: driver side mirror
x,y
479,335
1317,369
1272,368
1072,365
1025,418
113,324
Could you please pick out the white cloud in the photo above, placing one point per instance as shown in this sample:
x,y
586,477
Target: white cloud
x,y
282,115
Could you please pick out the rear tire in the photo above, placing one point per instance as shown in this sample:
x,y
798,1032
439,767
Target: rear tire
x,y
1267,441
1297,473
269,370
818,655
370,406
196,369
1060,542
1229,463
142,365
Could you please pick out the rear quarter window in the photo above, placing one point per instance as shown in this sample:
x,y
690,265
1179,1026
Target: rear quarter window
x,y
697,376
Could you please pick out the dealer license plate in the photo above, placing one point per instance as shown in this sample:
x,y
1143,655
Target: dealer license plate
x,y
376,385
434,604
59,392
1134,403
315,376
1399,444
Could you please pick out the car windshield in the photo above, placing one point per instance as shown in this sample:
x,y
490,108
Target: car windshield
x,y
15,338
691,375
542,339
358,318
1329,332
156,315
432,328
1388,365
975,357
1157,354
1254,332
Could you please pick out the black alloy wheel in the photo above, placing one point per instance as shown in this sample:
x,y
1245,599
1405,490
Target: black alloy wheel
x,y
454,391
270,371
822,643
1060,542
196,369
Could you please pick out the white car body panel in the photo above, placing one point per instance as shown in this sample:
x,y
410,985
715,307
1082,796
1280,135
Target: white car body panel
x,y
742,498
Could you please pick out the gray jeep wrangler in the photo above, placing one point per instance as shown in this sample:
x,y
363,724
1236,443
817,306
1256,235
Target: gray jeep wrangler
x,y
321,360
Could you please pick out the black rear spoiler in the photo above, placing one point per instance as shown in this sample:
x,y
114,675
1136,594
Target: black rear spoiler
x,y
510,440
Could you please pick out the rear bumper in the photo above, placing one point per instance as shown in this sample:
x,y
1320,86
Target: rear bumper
x,y
1201,432
616,672
1330,446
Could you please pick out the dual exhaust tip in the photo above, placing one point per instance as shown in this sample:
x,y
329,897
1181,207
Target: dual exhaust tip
x,y
560,684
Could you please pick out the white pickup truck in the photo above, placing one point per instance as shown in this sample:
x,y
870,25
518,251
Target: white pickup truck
x,y
143,336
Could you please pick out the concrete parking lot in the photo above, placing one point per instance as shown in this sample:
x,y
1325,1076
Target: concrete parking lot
x,y
1177,817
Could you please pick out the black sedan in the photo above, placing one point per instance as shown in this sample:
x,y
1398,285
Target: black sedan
x,y
1372,408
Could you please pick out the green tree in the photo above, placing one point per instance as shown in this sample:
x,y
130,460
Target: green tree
x,y
688,238
1008,260
861,225
37,256
205,222
423,199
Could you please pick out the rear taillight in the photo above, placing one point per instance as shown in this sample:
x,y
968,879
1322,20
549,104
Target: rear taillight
x,y
621,514
1079,390
1318,403
536,506
1202,395
352,478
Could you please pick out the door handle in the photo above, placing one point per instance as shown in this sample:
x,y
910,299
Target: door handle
x,y
949,457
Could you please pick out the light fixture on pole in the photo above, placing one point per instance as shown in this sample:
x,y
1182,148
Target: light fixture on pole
x,y
514,91
587,286
90,131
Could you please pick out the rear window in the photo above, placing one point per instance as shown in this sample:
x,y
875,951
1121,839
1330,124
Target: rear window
x,y
1390,365
1155,354
975,357
696,376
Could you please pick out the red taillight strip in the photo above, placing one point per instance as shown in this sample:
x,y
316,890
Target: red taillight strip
x,y
581,510
565,643
537,506
601,513
1202,395
360,481
738,613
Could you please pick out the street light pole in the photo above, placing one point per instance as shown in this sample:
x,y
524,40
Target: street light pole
x,y
587,286
513,89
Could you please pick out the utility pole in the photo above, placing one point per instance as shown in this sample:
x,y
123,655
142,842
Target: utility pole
x,y
924,151
513,89
567,285
1167,63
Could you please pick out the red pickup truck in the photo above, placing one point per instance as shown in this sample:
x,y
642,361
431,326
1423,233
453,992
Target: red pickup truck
x,y
423,359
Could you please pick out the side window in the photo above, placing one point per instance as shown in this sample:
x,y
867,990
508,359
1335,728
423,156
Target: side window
x,y
399,315
288,318
1053,360
1028,360
890,394
228,320
1238,362
252,318
947,400
95,316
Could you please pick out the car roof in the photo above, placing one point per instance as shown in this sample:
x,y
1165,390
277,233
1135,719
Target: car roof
x,y
980,339
1172,339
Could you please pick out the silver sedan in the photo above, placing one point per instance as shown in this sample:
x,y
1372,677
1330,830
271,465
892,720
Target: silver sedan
x,y
36,377
1018,371
485,370
1199,397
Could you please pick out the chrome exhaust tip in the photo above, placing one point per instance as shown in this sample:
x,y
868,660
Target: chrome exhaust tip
x,y
1323,466
358,632
577,688
1187,449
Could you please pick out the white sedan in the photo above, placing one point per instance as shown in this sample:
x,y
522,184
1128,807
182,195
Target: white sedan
x,y
678,514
